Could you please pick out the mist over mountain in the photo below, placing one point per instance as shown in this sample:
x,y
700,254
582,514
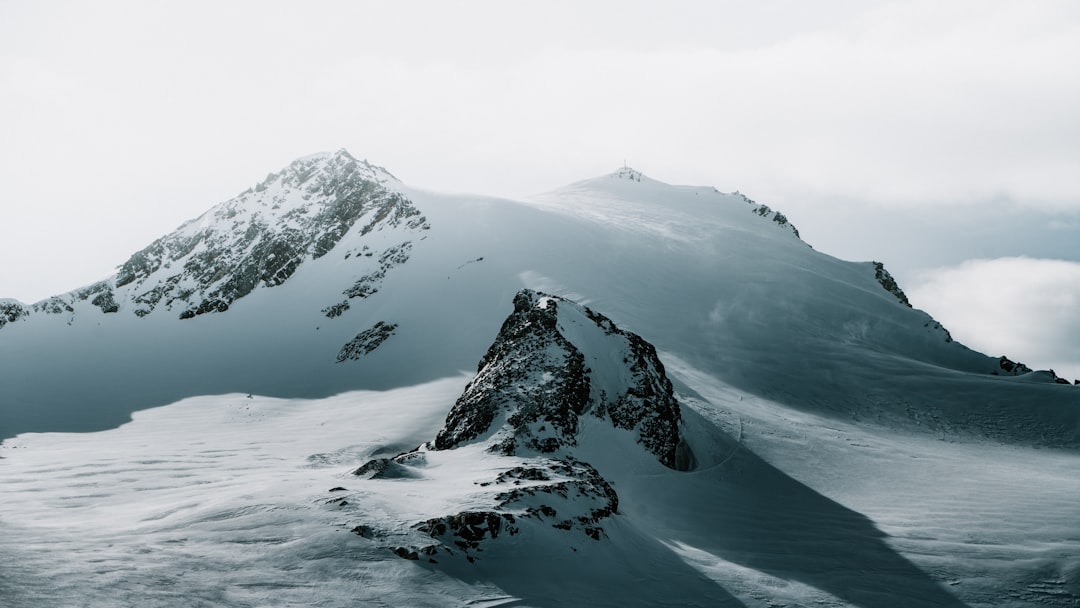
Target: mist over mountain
x,y
677,400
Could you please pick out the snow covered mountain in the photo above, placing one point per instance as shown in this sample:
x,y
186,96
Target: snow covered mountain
x,y
285,289
685,403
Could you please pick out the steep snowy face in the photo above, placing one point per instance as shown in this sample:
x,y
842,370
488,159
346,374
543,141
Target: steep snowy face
x,y
335,276
261,237
552,363
258,239
558,377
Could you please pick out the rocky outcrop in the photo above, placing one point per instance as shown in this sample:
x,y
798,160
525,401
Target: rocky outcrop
x,y
553,364
766,212
1012,368
534,384
889,283
366,341
53,306
370,283
11,311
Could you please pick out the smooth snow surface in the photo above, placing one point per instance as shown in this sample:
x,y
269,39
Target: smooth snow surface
x,y
848,452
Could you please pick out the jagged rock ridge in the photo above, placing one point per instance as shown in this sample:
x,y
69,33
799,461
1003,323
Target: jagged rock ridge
x,y
889,283
553,364
768,213
534,384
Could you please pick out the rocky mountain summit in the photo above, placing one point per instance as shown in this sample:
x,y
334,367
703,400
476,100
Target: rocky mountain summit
x,y
261,237
558,376
257,239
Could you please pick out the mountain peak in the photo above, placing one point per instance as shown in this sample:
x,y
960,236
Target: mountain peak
x,y
260,237
627,173
339,163
569,357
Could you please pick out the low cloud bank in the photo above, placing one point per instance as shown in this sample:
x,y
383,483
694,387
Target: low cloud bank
x,y
1028,309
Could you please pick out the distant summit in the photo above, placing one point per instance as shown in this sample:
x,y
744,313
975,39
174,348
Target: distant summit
x,y
258,239
627,173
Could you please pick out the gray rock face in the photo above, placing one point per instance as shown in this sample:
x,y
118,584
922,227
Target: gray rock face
x,y
534,384
11,311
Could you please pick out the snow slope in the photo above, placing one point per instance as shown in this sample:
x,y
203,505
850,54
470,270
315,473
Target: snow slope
x,y
846,452
250,501
712,277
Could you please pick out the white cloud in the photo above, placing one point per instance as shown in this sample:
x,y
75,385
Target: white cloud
x,y
1027,309
132,117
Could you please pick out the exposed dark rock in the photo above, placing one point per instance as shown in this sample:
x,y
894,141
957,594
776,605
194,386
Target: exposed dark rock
x,y
100,295
372,468
391,468
336,310
584,491
1012,368
467,529
766,212
533,385
531,391
527,401
406,553
53,306
11,311
369,283
366,285
889,283
366,341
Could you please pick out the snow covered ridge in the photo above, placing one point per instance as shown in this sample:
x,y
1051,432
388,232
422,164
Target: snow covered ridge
x,y
258,239
558,376
331,275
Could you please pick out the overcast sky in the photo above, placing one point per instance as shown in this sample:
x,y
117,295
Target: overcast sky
x,y
940,138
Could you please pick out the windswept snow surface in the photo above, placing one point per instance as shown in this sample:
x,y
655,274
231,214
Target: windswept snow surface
x,y
227,501
849,453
